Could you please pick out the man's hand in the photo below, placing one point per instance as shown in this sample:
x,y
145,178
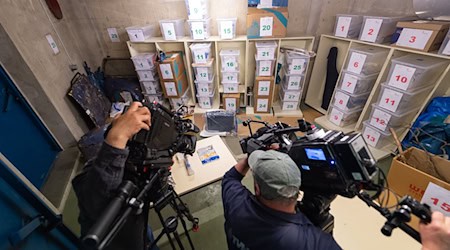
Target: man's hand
x,y
436,235
242,166
126,125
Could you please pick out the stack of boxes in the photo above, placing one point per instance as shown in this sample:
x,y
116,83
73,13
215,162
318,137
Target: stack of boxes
x,y
199,20
264,79
230,78
204,74
295,66
145,65
356,82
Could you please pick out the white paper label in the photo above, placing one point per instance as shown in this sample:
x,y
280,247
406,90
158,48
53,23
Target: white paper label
x,y
226,29
266,26
205,102
195,9
136,35
291,96
446,50
229,77
342,27
198,32
169,31
202,74
264,88
390,99
371,29
265,53
230,104
230,88
380,119
401,76
297,66
438,198
262,105
150,87
203,89
265,3
166,71
371,136
341,100
265,68
414,38
200,56
356,62
289,105
294,82
336,116
349,83
171,89
146,75
229,63
52,44
113,35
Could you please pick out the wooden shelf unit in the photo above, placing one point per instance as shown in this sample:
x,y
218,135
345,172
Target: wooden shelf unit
x,y
318,77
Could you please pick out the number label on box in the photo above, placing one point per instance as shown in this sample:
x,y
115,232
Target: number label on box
x,y
349,83
342,27
297,66
195,7
401,76
380,119
113,35
136,35
169,31
356,62
438,198
265,68
226,31
371,136
230,88
203,89
265,26
446,50
294,82
202,74
390,99
414,38
262,105
229,63
229,77
171,89
336,116
230,104
265,53
289,96
371,29
198,32
264,88
341,100
289,106
205,103
166,71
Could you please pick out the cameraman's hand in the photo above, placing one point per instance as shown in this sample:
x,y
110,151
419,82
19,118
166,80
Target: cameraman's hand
x,y
436,235
124,126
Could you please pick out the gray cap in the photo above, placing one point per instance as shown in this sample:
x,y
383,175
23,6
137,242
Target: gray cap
x,y
276,173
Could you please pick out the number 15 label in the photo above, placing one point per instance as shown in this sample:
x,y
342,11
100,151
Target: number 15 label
x,y
438,198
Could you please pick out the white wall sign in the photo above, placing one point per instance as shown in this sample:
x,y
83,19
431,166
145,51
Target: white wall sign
x,y
113,35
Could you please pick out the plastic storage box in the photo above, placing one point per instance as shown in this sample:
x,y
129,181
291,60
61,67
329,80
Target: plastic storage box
x,y
205,88
414,71
197,9
445,47
172,29
288,105
266,50
400,101
296,63
182,101
230,59
343,118
226,27
375,137
150,87
383,119
154,98
206,102
230,87
204,72
357,84
144,61
346,102
366,60
201,52
230,77
148,75
348,26
289,95
379,29
293,82
264,67
200,29
140,33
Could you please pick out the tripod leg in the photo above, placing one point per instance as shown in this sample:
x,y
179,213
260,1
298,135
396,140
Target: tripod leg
x,y
186,231
177,238
163,223
160,235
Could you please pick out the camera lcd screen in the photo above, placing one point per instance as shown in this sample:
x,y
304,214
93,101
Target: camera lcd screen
x,y
315,154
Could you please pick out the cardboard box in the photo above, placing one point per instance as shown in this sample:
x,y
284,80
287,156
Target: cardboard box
x,y
172,67
175,88
266,23
412,178
264,86
422,35
232,102
262,104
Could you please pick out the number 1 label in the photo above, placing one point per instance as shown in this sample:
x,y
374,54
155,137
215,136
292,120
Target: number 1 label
x,y
371,29
169,31
342,27
265,26
401,76
356,62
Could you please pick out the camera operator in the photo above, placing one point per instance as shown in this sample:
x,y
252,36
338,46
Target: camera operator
x,y
98,182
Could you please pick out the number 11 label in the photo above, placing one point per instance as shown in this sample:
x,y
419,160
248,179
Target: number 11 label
x,y
265,26
342,27
390,99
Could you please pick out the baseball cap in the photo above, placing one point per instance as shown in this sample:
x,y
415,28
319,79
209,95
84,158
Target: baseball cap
x,y
276,173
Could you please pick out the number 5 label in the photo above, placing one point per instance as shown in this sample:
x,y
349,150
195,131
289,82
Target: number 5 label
x,y
342,26
265,26
169,31
438,198
371,29
401,76
356,62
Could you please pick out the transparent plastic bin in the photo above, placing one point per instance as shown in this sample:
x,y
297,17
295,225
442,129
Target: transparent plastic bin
x,y
230,87
375,137
293,82
348,26
264,67
366,60
148,75
140,33
226,27
388,27
144,61
230,77
296,63
172,29
289,95
288,104
197,9
399,101
204,72
230,59
154,98
445,47
150,87
415,71
357,84
205,88
206,102
182,101
201,52
384,119
347,102
200,29
343,118
266,50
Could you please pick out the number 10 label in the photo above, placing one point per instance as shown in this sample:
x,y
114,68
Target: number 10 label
x,y
401,76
